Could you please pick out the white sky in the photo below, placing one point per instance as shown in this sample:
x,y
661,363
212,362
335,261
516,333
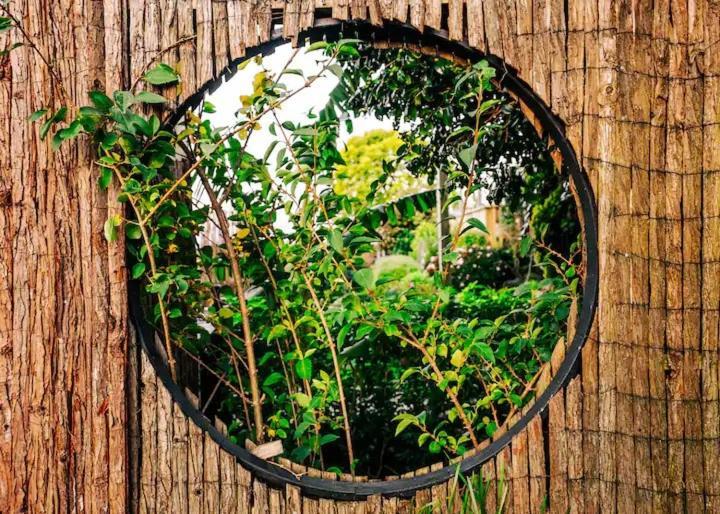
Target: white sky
x,y
226,98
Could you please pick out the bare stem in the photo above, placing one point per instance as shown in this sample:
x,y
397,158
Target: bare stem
x,y
336,365
240,293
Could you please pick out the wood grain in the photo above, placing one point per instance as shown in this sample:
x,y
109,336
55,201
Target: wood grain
x,y
637,85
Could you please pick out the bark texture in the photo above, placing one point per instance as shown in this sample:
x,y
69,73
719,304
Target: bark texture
x,y
637,83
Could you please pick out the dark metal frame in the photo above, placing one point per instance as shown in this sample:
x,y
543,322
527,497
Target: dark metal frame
x,y
274,475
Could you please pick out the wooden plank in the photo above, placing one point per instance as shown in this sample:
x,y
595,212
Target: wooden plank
x,y
187,53
490,479
439,492
227,477
575,463
504,471
711,266
163,463
179,462
148,403
340,9
520,475
557,454
417,14
536,466
196,463
293,501
260,498
476,24
276,501
205,57
433,13
221,36
455,20
236,24
211,475
243,494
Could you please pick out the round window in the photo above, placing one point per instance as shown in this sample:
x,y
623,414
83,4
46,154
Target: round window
x,y
365,258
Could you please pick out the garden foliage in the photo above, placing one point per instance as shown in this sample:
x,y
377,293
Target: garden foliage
x,y
353,361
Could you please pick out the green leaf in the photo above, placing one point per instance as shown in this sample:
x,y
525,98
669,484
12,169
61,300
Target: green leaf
x,y
328,438
161,74
55,118
123,99
5,24
149,97
485,352
467,156
110,228
302,399
365,278
317,46
476,224
225,312
336,240
525,245
105,177
304,368
66,133
407,374
137,270
100,100
37,115
458,358
273,379
404,423
132,231
342,335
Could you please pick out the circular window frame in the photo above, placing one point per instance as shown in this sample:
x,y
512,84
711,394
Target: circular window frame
x,y
393,33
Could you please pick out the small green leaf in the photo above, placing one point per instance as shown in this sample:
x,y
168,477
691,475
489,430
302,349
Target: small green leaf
x,y
407,374
458,358
485,352
302,399
123,99
105,178
55,118
100,100
467,156
5,24
110,228
342,335
525,245
273,379
476,224
161,74
132,231
137,270
404,423
37,115
336,240
304,368
365,278
317,46
149,97
328,438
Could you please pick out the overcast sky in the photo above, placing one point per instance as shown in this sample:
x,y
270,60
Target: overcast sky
x,y
227,97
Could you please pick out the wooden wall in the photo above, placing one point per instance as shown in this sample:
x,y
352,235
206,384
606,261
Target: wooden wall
x,y
638,84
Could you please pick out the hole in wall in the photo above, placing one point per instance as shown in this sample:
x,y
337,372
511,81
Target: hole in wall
x,y
362,233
